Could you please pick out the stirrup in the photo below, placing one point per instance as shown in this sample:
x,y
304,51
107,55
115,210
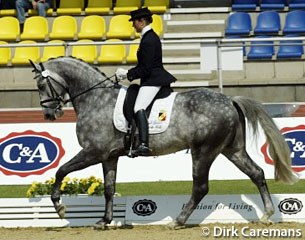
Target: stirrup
x,y
142,150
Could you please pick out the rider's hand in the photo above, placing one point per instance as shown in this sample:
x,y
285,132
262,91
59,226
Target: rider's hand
x,y
121,73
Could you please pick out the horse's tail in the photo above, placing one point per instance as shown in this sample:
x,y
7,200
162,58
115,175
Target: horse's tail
x,y
279,150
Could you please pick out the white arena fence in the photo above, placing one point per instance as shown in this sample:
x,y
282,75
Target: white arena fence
x,y
148,210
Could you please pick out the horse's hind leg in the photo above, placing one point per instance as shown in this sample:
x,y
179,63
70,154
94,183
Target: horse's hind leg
x,y
202,161
243,161
82,160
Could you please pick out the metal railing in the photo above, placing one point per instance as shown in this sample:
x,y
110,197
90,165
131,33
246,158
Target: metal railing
x,y
219,44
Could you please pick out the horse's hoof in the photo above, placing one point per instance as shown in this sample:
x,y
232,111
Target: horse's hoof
x,y
100,225
174,225
265,220
61,210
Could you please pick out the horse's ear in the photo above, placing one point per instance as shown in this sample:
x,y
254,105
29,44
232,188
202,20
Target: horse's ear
x,y
36,67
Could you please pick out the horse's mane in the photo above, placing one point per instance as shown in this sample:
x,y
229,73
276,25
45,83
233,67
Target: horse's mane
x,y
81,60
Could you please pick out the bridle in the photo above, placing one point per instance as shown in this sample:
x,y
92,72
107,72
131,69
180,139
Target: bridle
x,y
56,97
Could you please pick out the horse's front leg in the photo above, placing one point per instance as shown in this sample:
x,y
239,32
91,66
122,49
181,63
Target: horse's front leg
x,y
109,169
83,159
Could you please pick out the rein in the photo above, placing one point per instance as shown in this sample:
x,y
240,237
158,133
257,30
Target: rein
x,y
92,88
56,97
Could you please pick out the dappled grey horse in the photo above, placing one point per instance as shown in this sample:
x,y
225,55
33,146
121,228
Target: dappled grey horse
x,y
207,122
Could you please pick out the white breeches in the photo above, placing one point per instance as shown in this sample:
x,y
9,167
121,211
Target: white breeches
x,y
145,96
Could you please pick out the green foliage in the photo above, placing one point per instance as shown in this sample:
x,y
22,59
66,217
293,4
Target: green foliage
x,y
174,188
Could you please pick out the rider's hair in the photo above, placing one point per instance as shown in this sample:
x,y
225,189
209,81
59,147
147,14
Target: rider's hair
x,y
147,19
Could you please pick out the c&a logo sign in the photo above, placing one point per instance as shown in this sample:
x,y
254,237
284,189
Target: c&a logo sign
x,y
295,138
29,153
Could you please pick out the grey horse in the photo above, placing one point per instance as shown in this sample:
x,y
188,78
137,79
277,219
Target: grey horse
x,y
205,121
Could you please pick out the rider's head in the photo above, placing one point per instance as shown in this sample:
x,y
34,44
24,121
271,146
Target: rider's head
x,y
141,18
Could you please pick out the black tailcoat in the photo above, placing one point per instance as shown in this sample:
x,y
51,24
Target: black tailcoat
x,y
150,67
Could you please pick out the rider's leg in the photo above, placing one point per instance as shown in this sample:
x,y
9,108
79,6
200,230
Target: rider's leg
x,y
145,96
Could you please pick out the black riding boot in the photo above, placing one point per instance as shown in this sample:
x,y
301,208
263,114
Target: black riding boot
x,y
142,124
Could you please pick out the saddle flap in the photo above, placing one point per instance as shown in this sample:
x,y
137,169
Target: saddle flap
x,y
159,116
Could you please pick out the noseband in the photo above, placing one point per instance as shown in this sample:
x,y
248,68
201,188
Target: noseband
x,y
55,96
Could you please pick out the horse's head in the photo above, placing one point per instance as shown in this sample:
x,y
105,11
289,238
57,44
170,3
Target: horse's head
x,y
52,89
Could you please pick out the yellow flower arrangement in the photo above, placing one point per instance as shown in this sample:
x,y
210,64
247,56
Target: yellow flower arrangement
x,y
90,186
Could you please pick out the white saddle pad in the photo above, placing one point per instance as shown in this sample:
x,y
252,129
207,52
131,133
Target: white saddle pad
x,y
159,117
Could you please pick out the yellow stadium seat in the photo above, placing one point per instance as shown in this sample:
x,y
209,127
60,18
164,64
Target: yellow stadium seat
x,y
7,12
157,6
120,27
123,6
5,54
112,53
53,51
64,27
87,53
32,12
132,54
68,7
98,7
157,25
92,27
23,54
39,32
9,28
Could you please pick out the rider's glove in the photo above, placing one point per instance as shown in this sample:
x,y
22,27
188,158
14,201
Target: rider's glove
x,y
121,73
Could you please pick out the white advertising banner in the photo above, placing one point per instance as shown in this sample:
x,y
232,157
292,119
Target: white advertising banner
x,y
34,152
158,210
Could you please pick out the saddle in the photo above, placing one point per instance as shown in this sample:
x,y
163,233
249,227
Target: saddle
x,y
158,112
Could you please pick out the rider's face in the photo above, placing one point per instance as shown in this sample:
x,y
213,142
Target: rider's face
x,y
138,24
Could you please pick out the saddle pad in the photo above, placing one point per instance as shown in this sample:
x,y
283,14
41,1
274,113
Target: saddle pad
x,y
159,117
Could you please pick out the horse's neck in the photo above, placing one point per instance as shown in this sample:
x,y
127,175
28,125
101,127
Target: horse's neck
x,y
99,98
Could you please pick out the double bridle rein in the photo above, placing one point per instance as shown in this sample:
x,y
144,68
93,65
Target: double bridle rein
x,y
55,96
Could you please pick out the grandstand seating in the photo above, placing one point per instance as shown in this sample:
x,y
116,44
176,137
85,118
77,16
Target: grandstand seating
x,y
120,27
24,53
244,5
260,51
98,7
132,53
295,50
68,7
268,22
9,28
39,32
157,6
157,26
273,4
123,6
32,12
294,22
112,54
92,27
52,51
64,27
296,4
7,12
87,53
239,23
5,54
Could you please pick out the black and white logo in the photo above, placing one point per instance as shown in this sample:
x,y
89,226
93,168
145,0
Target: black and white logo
x,y
290,206
144,207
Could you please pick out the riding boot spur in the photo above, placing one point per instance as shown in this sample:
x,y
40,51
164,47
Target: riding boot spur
x,y
142,124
